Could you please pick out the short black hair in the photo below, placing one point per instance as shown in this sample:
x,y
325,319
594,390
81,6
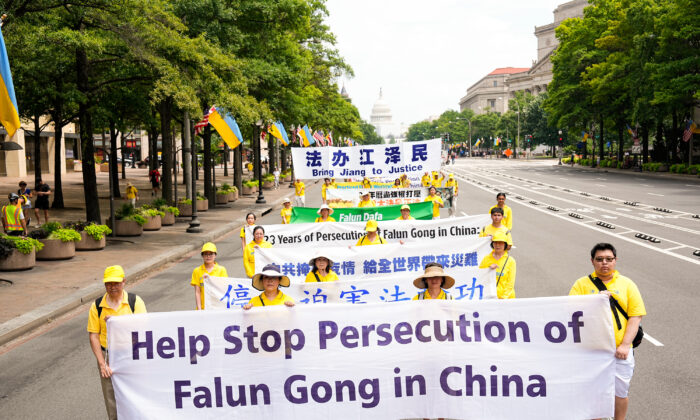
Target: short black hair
x,y
255,229
603,246
251,214
497,210
500,194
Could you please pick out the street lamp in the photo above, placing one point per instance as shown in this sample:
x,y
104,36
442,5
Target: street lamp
x,y
194,223
561,144
258,162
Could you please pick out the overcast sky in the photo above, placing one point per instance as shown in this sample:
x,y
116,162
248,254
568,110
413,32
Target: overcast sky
x,y
425,53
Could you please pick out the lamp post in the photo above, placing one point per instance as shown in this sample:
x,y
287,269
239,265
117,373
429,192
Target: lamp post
x,y
517,139
258,162
194,223
560,147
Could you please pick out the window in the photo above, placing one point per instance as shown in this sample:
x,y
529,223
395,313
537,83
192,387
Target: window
x,y
495,83
492,103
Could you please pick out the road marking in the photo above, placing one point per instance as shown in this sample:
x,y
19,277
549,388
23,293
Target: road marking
x,y
652,340
600,185
658,195
691,185
622,209
626,232
464,214
609,217
565,179
675,247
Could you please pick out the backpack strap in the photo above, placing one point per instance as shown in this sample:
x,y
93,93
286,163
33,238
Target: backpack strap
x,y
381,240
261,300
316,275
498,277
98,301
132,301
614,304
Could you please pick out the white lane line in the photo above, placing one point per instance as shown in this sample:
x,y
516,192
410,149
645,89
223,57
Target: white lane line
x,y
565,179
691,185
626,232
652,340
675,247
464,214
658,195
600,185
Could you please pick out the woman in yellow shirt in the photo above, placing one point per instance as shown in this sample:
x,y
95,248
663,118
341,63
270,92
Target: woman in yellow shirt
x,y
434,280
504,265
286,211
132,194
365,200
326,185
405,182
366,183
249,250
269,281
209,268
397,183
437,202
405,213
372,237
248,227
321,270
324,213
425,180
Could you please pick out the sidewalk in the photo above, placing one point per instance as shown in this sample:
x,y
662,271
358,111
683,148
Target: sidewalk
x,y
34,297
667,175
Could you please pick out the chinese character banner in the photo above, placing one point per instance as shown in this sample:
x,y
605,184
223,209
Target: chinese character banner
x,y
386,161
420,211
341,198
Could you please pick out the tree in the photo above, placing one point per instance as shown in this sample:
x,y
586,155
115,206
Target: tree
x,y
369,135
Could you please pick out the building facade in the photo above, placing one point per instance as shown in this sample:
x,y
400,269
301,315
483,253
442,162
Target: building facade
x,y
382,120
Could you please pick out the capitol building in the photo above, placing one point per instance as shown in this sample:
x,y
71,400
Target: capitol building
x,y
382,120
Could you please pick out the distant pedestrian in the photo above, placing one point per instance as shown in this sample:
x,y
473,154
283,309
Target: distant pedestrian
x,y
13,217
43,191
277,174
507,212
154,177
452,182
25,195
299,193
132,194
208,268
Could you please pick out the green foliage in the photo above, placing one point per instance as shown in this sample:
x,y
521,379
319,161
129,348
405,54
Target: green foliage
x,y
97,232
173,210
128,212
151,212
185,201
65,235
158,203
679,168
269,178
23,245
51,227
221,192
369,134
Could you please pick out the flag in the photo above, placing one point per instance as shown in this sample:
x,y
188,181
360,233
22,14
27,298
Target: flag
x,y
478,142
585,136
226,126
307,136
199,127
319,138
690,127
329,138
277,130
9,113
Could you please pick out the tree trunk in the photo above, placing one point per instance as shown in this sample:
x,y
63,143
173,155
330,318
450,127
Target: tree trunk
x,y
271,156
92,202
165,109
674,139
620,141
283,158
238,167
601,143
645,142
57,117
206,166
113,169
122,143
37,151
186,156
224,158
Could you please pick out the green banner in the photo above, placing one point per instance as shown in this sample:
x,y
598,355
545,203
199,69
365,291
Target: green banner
x,y
421,211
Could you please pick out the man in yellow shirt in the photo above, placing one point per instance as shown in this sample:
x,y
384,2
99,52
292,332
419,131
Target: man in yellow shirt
x,y
452,182
405,182
116,302
372,236
286,211
437,179
507,212
626,297
299,193
425,180
13,218
208,268
365,200
504,265
437,202
132,194
497,226
405,213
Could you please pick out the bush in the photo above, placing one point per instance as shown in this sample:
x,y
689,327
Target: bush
x,y
128,212
221,191
23,245
65,235
158,203
679,168
269,178
151,212
97,232
173,210
185,201
200,198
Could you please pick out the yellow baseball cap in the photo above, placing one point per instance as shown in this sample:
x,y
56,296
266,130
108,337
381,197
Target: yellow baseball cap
x,y
209,247
406,207
371,226
499,237
113,274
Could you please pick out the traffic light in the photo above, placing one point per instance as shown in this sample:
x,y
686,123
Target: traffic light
x,y
561,140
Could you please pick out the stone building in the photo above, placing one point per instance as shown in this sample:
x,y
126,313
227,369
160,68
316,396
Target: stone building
x,y
382,120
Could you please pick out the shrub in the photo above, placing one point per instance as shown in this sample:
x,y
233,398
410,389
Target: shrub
x,y
23,245
151,212
221,191
173,210
97,232
225,187
200,198
128,212
269,178
65,235
185,201
619,165
158,203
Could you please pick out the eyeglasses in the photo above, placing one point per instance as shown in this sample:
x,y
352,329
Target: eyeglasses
x,y
606,259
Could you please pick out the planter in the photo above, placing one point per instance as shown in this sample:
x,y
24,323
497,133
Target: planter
x,y
87,243
232,196
152,223
18,261
247,190
169,218
55,249
185,209
268,185
77,167
104,167
288,178
202,205
222,198
127,228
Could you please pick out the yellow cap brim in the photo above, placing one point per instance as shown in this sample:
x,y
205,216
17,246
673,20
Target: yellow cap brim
x,y
113,279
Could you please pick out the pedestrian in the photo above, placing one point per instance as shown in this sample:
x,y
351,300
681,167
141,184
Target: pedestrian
x,y
208,268
286,211
405,213
434,280
405,182
625,300
25,195
132,194
249,250
324,214
425,180
504,265
452,183
43,191
299,193
154,177
365,200
573,158
277,174
326,185
397,183
437,179
437,201
366,183
321,269
372,236
269,281
115,302
507,212
497,226
13,217
247,228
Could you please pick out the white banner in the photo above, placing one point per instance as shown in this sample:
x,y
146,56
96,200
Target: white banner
x,y
380,160
228,292
375,261
347,233
383,197
547,358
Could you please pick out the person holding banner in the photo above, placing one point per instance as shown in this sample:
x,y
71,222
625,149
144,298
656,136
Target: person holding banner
x,y
249,250
437,179
397,183
299,193
507,212
372,236
366,183
625,300
326,185
365,200
496,226
208,268
115,302
425,180
269,281
405,182
324,213
437,202
286,211
434,280
248,227
452,182
405,213
321,269
504,265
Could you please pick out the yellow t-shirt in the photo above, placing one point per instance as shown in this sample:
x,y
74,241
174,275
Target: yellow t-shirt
x,y
369,203
262,300
331,276
624,290
378,240
324,187
505,276
507,216
405,183
249,256
366,183
436,204
437,182
100,325
299,189
490,230
409,218
131,192
198,277
425,180
249,166
426,295
396,186
286,214
319,220
243,230
452,183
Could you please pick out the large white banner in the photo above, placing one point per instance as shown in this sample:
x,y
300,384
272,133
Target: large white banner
x,y
375,261
383,197
547,358
380,160
347,233
228,292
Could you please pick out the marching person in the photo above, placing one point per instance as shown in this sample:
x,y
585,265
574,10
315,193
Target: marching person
x,y
324,213
437,202
43,191
366,183
405,182
497,226
627,312
425,180
269,281
372,236
115,302
132,194
154,177
434,280
321,269
397,183
326,185
504,265
365,200
299,193
208,268
286,211
405,213
13,217
250,219
437,179
249,250
452,182
507,212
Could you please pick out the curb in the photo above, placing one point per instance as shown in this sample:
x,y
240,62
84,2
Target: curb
x,y
646,174
18,326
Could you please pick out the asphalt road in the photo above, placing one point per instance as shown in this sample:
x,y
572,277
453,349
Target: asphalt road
x,y
53,374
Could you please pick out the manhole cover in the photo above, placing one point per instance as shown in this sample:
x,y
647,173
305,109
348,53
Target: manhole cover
x,y
5,282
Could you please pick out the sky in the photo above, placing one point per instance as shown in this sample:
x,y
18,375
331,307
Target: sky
x,y
424,54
